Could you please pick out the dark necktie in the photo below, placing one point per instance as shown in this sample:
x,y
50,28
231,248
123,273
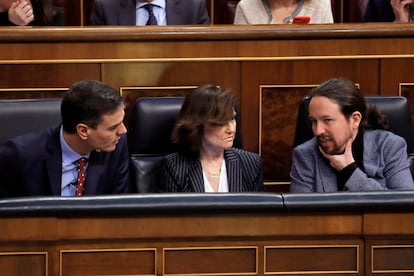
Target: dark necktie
x,y
151,17
80,185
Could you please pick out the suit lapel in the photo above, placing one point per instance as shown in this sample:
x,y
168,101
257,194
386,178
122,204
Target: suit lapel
x,y
234,173
127,12
54,163
173,12
327,176
195,174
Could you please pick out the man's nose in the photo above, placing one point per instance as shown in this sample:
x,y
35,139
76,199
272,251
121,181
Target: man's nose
x,y
317,128
122,129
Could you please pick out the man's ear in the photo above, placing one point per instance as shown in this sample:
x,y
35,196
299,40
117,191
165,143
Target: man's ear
x,y
356,118
82,131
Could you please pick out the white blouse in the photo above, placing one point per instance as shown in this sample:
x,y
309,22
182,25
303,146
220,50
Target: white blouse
x,y
223,183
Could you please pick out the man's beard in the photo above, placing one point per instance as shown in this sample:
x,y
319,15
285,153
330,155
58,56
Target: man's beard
x,y
333,148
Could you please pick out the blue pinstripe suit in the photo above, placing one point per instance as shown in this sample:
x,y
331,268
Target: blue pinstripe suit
x,y
181,174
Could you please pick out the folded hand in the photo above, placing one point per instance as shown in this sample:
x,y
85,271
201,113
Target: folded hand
x,y
21,12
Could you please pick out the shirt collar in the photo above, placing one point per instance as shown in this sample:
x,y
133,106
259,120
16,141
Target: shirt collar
x,y
68,154
159,3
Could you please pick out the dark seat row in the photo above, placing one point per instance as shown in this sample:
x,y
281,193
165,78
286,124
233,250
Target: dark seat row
x,y
19,116
173,203
152,119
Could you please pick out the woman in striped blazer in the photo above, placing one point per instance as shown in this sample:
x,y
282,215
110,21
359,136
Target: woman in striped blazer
x,y
206,160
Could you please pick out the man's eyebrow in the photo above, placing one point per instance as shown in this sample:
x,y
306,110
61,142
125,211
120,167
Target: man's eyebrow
x,y
115,126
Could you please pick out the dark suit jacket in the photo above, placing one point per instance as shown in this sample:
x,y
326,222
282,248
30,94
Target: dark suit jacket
x,y
181,174
379,11
31,165
123,12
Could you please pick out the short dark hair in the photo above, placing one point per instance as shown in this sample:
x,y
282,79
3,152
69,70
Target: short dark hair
x,y
86,101
350,99
207,104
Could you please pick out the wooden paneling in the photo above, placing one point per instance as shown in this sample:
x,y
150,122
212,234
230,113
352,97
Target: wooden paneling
x,y
23,263
30,75
392,258
168,79
393,73
210,260
320,259
407,90
16,229
278,115
377,224
108,262
191,243
172,74
31,93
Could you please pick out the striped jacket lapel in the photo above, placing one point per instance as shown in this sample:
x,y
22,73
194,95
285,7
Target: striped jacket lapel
x,y
195,174
234,174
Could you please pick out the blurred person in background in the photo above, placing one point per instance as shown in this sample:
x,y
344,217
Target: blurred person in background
x,y
398,11
282,11
30,12
149,12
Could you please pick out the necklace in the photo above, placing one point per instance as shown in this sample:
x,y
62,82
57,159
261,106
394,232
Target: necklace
x,y
213,170
214,174
286,20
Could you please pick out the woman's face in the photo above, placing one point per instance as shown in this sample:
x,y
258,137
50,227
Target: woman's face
x,y
218,137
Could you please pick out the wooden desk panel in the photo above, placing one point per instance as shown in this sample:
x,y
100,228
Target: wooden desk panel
x,y
151,244
156,234
162,243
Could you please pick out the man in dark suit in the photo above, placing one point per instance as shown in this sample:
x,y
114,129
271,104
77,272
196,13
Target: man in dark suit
x,y
45,163
389,11
135,12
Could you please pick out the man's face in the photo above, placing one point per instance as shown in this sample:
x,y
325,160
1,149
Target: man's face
x,y
108,132
330,126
